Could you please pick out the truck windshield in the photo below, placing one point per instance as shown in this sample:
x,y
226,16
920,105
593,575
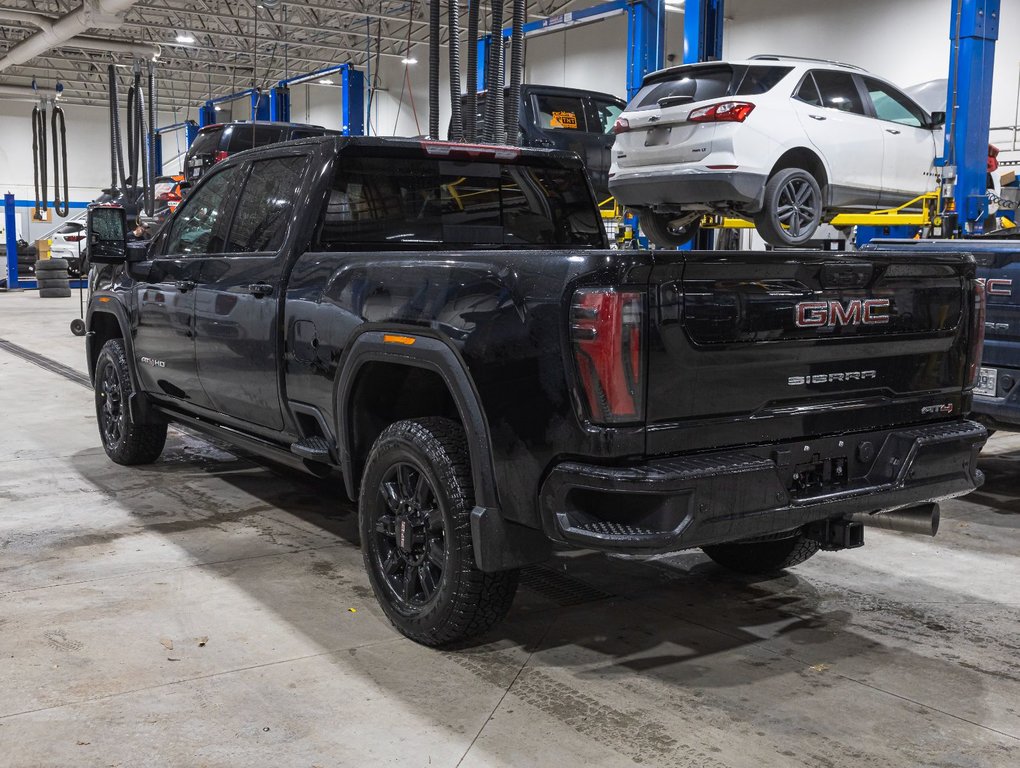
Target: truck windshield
x,y
380,200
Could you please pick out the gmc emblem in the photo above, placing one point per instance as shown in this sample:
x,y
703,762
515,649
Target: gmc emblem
x,y
816,314
998,286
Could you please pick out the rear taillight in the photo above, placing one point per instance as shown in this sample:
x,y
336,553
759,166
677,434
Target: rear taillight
x,y
622,125
74,238
221,155
977,334
606,332
727,112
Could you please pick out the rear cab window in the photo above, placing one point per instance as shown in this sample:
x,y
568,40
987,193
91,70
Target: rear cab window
x,y
564,113
703,83
422,202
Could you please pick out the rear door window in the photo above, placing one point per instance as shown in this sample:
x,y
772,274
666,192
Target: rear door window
x,y
839,91
892,105
560,112
424,202
808,91
199,226
266,204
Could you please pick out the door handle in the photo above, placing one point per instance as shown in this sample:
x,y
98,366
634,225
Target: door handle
x,y
185,285
892,131
258,290
818,117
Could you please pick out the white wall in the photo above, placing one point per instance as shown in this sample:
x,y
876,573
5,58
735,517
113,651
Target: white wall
x,y
906,41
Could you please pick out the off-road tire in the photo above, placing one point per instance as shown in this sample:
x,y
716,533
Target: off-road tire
x,y
55,293
792,197
763,557
464,601
52,282
124,441
656,227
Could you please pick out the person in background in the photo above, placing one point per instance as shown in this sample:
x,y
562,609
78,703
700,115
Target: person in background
x,y
139,233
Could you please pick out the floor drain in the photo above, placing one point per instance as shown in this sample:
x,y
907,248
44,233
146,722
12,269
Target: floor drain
x,y
562,589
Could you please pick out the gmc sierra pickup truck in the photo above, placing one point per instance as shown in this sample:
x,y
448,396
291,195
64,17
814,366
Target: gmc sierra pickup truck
x,y
443,327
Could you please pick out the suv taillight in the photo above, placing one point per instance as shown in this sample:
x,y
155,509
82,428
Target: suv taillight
x,y
622,125
977,334
221,155
606,333
727,112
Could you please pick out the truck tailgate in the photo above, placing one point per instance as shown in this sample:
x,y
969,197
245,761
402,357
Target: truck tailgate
x,y
759,347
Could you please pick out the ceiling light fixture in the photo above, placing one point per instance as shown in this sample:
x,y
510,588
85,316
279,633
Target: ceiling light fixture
x,y
409,60
326,81
185,37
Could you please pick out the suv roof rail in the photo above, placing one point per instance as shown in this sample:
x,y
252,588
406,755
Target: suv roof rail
x,y
781,57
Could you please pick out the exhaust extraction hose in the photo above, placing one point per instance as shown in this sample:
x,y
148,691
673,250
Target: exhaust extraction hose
x,y
434,68
495,78
456,132
116,144
150,143
39,157
513,133
471,100
60,204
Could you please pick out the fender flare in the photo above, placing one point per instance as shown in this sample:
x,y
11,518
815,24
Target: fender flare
x,y
433,353
139,406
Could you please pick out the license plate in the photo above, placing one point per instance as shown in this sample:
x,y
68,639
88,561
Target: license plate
x,y
987,381
657,137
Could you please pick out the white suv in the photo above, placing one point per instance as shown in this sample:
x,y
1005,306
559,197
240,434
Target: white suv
x,y
783,141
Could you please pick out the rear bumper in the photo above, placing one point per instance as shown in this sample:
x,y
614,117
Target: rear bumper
x,y
654,186
678,503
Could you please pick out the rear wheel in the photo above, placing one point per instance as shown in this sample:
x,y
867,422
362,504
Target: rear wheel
x,y
669,230
792,208
415,522
124,441
763,557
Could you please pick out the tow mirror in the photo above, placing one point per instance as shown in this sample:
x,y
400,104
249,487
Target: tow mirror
x,y
107,228
938,119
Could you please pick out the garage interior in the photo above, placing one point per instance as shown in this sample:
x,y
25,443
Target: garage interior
x,y
213,608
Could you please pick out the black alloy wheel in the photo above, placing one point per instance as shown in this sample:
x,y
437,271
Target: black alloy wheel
x,y
792,208
414,515
410,544
124,440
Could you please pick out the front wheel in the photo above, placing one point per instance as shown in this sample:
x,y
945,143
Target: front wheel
x,y
124,441
763,557
666,230
791,210
414,515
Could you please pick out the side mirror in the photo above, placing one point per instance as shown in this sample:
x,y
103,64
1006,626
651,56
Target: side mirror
x,y
107,228
938,119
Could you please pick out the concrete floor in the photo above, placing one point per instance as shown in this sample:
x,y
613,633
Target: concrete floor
x,y
206,611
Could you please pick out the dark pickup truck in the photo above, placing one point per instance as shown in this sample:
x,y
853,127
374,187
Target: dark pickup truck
x,y
443,327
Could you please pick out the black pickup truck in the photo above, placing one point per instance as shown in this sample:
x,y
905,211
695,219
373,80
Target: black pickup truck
x,y
443,327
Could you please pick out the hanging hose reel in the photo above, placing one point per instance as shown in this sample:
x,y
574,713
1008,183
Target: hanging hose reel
x,y
61,205
39,168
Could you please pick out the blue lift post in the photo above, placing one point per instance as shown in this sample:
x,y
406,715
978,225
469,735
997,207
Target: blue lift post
x,y
10,228
703,31
352,97
190,128
974,28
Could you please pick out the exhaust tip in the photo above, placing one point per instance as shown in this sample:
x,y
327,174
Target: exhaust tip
x,y
922,519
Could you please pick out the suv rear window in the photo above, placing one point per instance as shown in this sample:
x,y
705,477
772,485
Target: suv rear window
x,y
247,136
422,202
712,82
207,142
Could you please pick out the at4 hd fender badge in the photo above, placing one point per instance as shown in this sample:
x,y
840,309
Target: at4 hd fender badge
x,y
817,314
153,362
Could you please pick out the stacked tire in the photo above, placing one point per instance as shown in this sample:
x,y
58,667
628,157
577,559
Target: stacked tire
x,y
51,277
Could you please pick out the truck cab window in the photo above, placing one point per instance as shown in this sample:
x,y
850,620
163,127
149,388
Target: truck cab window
x,y
198,227
265,205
